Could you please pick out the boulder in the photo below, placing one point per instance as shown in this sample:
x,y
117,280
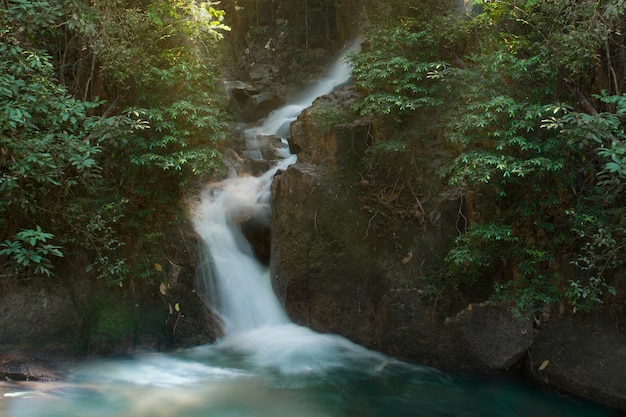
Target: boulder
x,y
19,367
250,103
489,338
584,355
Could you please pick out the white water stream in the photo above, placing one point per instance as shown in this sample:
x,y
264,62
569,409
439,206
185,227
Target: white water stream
x,y
238,286
264,365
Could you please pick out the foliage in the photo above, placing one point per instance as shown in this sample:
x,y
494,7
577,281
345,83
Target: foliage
x,y
44,157
327,117
109,110
29,250
541,170
393,83
602,246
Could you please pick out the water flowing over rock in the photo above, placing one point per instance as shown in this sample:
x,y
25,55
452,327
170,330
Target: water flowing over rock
x,y
332,265
232,220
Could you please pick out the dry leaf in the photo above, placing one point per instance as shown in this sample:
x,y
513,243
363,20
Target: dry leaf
x,y
392,197
408,257
544,365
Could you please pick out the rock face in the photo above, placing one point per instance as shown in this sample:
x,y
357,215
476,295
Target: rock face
x,y
41,316
306,26
338,268
333,277
278,48
75,317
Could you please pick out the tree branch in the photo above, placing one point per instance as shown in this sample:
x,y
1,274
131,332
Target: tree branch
x,y
116,103
582,100
587,106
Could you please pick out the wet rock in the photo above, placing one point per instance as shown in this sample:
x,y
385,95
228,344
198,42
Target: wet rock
x,y
260,105
257,167
239,92
17,367
490,338
272,147
250,103
584,355
319,136
256,227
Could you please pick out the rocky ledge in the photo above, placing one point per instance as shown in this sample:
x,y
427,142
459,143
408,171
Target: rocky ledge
x,y
20,367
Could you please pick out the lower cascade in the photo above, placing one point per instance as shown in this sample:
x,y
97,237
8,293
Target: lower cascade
x,y
264,365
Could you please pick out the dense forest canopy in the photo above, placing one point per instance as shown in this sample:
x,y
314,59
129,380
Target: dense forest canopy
x,y
109,110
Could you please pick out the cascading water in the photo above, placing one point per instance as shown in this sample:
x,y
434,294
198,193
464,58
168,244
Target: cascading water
x,y
266,366
238,287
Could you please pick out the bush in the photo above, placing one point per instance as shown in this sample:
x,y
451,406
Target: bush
x,y
108,111
541,170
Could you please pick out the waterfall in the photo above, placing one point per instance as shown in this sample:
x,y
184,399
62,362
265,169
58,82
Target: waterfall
x,y
266,366
277,123
237,285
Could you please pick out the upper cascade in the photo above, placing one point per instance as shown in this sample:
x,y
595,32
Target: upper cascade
x,y
237,286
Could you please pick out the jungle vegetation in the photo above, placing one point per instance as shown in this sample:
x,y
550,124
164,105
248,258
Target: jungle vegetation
x,y
527,98
109,110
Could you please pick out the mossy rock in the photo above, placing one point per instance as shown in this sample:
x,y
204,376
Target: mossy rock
x,y
120,326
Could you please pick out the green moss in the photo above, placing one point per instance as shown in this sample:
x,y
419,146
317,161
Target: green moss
x,y
118,324
113,321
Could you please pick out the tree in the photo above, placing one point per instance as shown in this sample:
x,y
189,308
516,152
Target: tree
x,y
109,110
